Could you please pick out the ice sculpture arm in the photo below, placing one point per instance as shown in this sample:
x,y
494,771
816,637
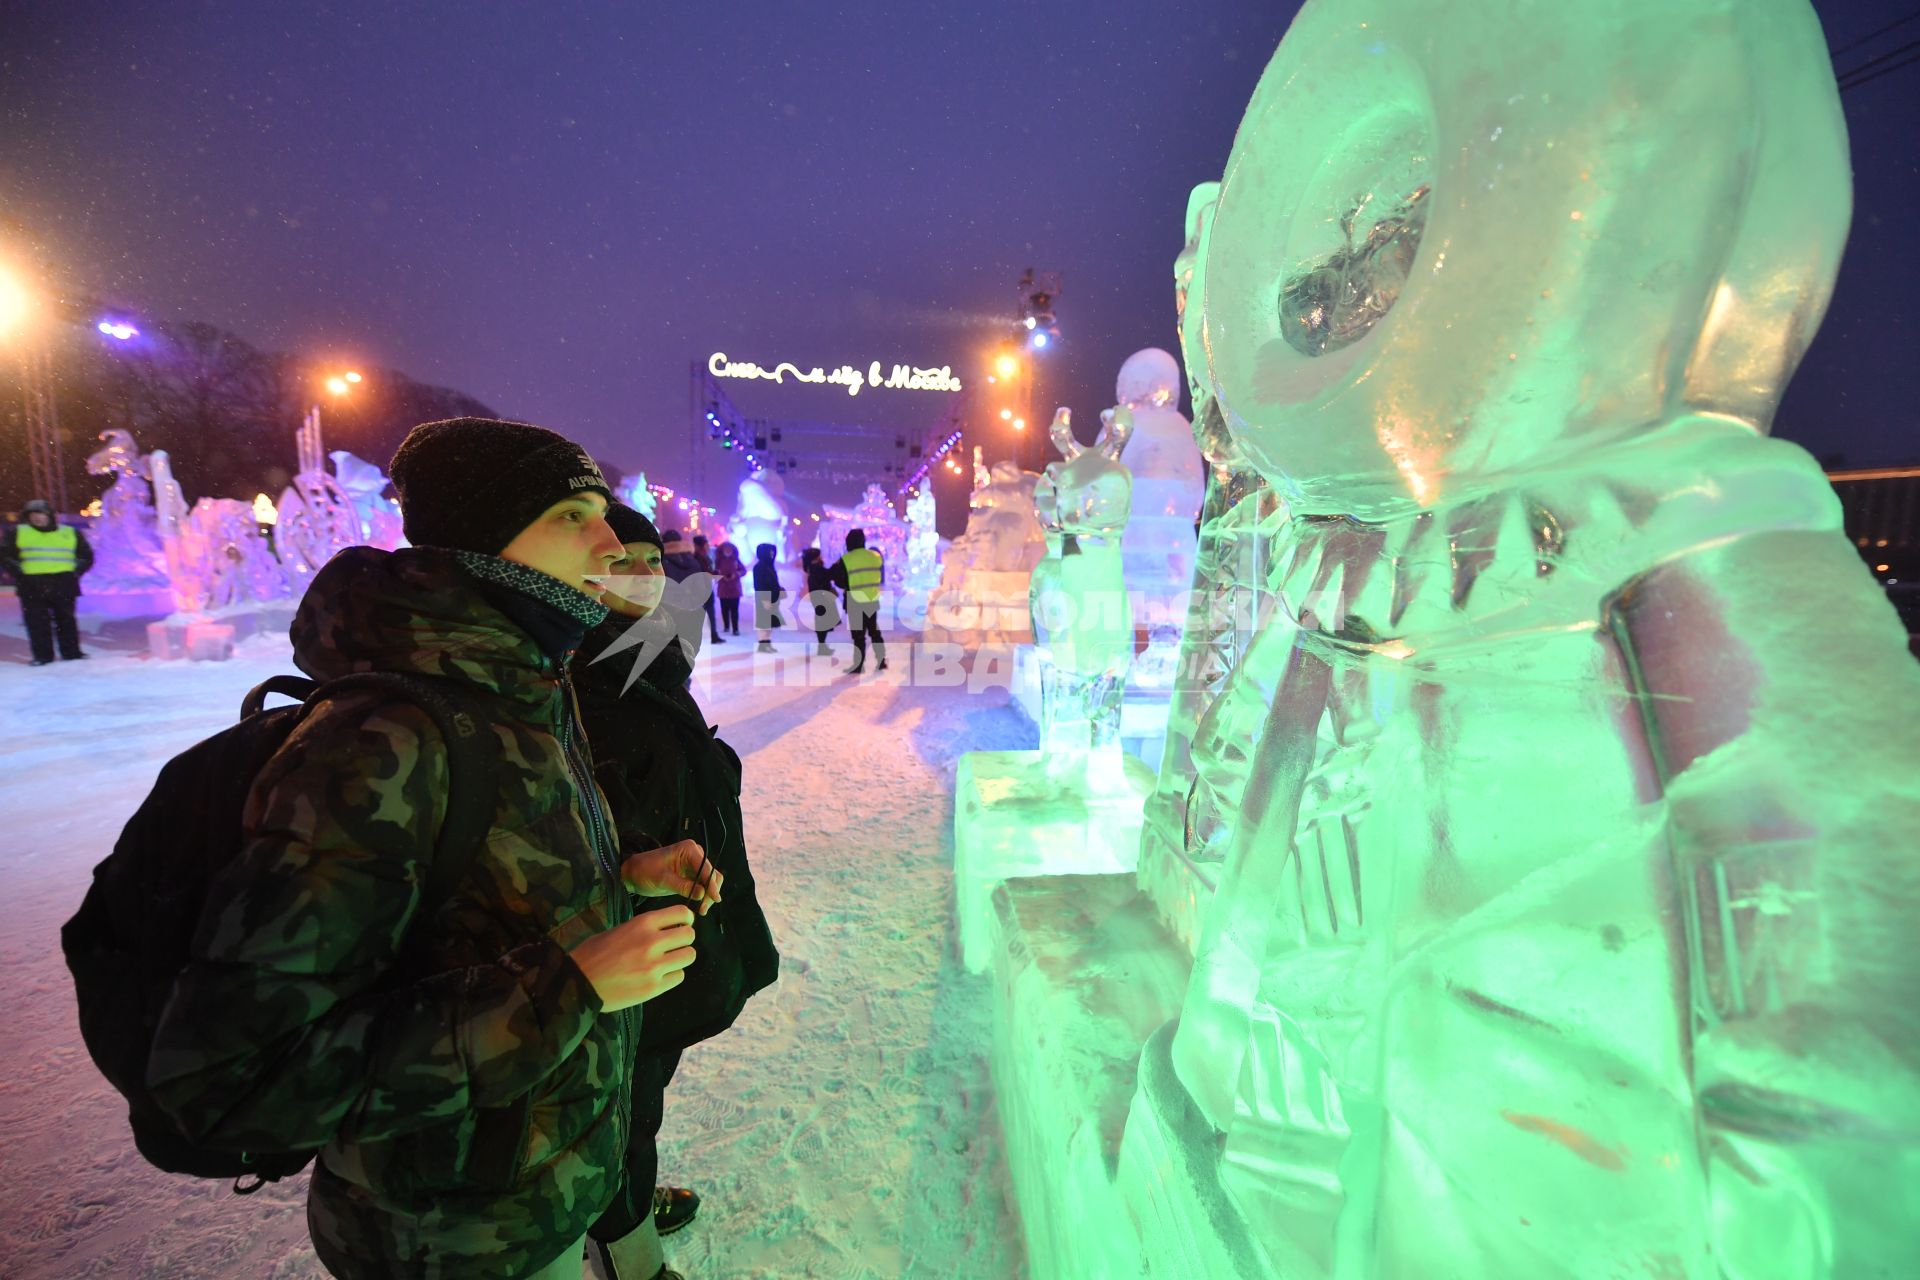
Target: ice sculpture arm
x,y
1061,434
284,1030
1793,799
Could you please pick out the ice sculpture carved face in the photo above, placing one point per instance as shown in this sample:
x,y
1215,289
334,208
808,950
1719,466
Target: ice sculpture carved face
x,y
1436,260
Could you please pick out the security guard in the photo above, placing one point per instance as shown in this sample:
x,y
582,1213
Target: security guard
x,y
859,573
45,559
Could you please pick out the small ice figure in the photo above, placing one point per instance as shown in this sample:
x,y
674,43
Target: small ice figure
x,y
1079,591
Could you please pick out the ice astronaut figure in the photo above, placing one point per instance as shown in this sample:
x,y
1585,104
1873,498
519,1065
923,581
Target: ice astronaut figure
x,y
1563,804
127,554
1168,487
1078,591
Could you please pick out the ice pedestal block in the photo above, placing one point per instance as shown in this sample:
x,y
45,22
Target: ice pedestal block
x,y
209,642
1083,973
1025,813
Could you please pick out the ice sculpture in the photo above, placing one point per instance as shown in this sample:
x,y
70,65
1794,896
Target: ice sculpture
x,y
1169,481
760,514
366,487
127,555
923,541
985,574
1079,591
215,554
1561,808
317,519
634,493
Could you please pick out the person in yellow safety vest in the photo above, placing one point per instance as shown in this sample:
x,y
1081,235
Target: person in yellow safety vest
x,y
45,560
859,574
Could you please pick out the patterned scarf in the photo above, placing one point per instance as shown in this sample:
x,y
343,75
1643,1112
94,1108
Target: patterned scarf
x,y
545,588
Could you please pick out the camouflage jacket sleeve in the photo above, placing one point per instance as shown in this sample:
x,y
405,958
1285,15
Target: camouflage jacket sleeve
x,y
286,1031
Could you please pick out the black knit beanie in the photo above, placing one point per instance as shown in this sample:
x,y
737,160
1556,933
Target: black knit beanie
x,y
630,526
473,484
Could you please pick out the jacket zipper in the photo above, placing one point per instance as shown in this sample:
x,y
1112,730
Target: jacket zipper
x,y
602,841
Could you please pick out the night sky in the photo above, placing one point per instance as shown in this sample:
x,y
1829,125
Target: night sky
x,y
555,208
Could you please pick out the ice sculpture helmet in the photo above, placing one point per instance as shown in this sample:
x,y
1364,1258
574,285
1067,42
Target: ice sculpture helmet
x,y
1434,262
1149,378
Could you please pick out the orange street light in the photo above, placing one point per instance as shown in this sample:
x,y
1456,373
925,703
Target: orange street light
x,y
1006,366
16,303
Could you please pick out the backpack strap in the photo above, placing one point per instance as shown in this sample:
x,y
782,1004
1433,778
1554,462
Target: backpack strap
x,y
299,688
473,756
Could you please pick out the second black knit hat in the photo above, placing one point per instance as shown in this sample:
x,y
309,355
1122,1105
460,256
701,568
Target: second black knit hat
x,y
474,483
630,526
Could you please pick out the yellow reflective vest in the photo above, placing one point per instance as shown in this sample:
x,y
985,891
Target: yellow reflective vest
x,y
863,573
46,550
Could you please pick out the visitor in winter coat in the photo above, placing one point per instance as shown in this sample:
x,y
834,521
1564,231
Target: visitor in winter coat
x,y
704,558
727,572
859,573
822,604
466,1072
670,782
767,594
45,559
679,563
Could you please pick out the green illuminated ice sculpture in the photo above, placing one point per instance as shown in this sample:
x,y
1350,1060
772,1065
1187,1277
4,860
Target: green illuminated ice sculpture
x,y
1079,591
1546,841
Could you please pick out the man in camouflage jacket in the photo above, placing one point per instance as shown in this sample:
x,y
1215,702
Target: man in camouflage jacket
x,y
463,1070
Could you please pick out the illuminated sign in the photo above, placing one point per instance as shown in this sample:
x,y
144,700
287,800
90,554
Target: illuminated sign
x,y
900,377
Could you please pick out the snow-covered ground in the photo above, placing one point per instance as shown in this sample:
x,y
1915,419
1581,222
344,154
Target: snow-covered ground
x,y
844,1128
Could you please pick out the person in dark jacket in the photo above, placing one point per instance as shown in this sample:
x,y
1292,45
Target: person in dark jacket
x,y
767,594
466,1073
727,572
822,604
672,783
703,556
45,560
860,572
678,563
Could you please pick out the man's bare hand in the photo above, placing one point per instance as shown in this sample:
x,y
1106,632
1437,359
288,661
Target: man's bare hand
x,y
681,868
633,962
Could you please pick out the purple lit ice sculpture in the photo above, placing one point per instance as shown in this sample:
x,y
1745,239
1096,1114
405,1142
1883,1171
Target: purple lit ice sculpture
x,y
317,518
366,488
127,552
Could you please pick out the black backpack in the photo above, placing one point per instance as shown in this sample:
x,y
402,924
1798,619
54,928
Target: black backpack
x,y
131,937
